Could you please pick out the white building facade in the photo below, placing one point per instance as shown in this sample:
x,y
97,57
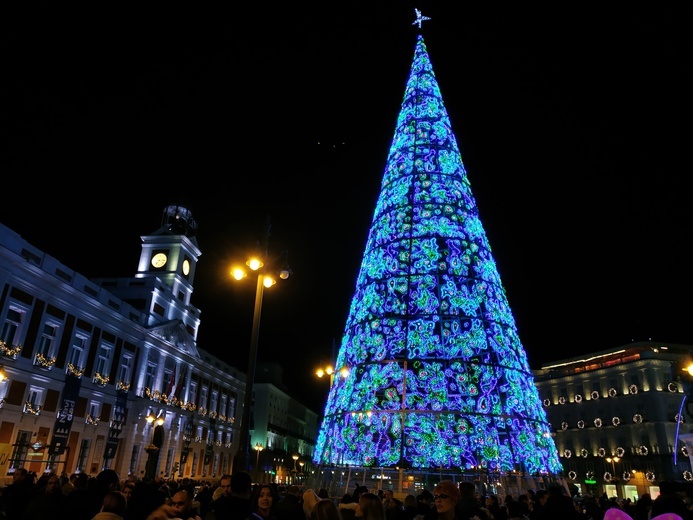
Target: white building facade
x,y
86,362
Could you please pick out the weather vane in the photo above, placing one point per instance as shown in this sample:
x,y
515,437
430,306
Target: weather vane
x,y
419,18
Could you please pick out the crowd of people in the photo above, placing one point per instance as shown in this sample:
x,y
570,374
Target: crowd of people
x,y
234,497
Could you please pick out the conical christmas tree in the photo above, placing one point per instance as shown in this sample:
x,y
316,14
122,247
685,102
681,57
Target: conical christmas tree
x,y
437,375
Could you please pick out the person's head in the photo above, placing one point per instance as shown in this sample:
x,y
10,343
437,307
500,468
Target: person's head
x,y
182,501
263,499
322,493
114,502
294,490
225,485
53,484
127,490
446,495
466,489
108,480
541,496
310,498
410,501
669,503
325,509
370,507
241,484
492,501
425,500
20,474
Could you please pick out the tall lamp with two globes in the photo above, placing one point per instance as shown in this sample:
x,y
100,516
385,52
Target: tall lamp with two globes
x,y
266,277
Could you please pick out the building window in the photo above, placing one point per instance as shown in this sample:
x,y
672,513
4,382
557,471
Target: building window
x,y
44,351
11,330
94,415
83,454
103,359
203,397
192,393
34,401
76,353
150,375
124,370
213,402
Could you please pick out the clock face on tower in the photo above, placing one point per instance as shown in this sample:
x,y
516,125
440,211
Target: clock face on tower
x,y
186,267
159,260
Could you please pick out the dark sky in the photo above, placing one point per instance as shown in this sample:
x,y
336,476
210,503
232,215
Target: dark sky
x,y
573,122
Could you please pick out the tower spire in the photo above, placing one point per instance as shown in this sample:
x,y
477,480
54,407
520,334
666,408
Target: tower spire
x,y
438,377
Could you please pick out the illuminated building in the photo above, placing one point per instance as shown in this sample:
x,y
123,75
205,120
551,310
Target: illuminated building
x,y
623,404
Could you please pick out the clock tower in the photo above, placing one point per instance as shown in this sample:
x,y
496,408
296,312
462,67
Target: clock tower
x,y
169,256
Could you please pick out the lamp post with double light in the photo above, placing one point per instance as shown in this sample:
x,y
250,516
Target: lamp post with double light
x,y
153,449
266,277
258,448
613,460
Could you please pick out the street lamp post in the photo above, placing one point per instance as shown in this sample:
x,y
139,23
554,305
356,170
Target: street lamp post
x,y
613,460
154,447
241,460
258,448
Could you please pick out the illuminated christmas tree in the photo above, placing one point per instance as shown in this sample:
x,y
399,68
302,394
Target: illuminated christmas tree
x,y
437,375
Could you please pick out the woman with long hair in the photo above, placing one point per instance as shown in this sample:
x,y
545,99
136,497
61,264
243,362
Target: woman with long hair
x,y
263,502
370,507
325,509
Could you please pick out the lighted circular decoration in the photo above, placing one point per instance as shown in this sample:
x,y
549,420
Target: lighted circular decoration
x,y
601,452
561,400
673,387
615,421
572,475
684,450
583,452
598,422
578,398
589,475
564,425
608,476
567,454
626,476
581,424
637,418
547,402
687,476
612,392
642,450
650,476
633,389
594,395
620,452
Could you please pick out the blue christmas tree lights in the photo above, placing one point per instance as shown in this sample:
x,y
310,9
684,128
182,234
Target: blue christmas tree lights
x,y
437,376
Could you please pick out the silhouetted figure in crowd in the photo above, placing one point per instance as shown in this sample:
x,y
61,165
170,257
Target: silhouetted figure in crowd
x,y
289,507
559,505
235,504
113,507
16,496
48,502
468,506
643,507
670,503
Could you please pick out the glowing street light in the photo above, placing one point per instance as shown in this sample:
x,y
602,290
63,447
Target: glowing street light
x,y
258,448
265,278
153,449
613,460
329,370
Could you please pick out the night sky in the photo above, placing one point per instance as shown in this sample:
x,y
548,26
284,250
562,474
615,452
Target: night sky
x,y
573,123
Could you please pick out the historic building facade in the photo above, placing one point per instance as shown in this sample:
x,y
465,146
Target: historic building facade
x,y
106,373
618,417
